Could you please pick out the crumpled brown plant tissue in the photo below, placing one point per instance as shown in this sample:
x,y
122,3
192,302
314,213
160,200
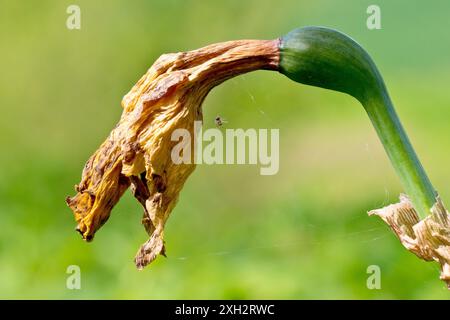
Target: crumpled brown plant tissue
x,y
429,239
137,152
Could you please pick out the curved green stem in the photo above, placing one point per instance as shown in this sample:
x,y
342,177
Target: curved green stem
x,y
401,153
329,59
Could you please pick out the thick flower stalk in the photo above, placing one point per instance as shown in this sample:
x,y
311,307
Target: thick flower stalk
x,y
137,153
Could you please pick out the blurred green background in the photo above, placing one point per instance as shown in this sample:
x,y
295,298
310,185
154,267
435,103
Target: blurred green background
x,y
301,234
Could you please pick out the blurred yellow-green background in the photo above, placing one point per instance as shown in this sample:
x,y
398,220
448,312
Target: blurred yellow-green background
x,y
301,234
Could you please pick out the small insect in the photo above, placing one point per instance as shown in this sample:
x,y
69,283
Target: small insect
x,y
220,121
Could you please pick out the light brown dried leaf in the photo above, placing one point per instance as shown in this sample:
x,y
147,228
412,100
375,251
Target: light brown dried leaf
x,y
429,239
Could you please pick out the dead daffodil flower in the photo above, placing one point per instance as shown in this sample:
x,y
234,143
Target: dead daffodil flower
x,y
138,150
137,153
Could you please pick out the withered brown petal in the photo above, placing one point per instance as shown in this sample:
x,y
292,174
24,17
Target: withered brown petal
x,y
137,151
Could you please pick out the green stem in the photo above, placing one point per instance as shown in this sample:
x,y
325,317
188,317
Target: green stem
x,y
401,153
329,59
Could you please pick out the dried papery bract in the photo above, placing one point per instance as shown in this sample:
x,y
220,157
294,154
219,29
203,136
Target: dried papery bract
x,y
138,150
429,239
